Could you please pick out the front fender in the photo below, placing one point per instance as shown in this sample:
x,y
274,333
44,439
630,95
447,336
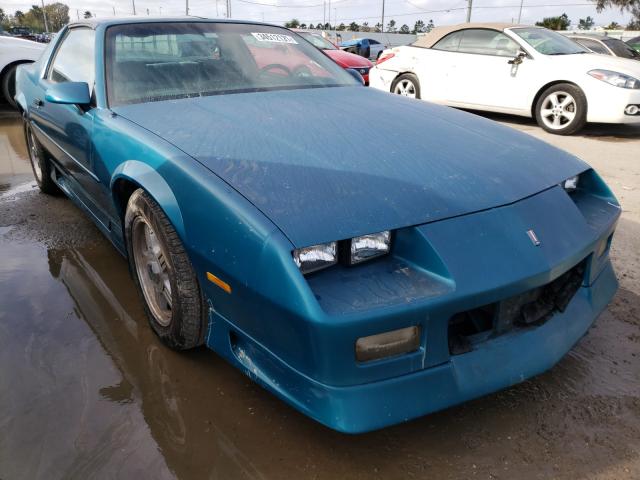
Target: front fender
x,y
151,181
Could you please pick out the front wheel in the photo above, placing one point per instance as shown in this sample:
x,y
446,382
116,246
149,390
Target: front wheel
x,y
562,109
163,274
406,85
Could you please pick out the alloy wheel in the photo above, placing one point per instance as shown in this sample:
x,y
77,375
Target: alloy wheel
x,y
34,156
406,88
558,110
154,272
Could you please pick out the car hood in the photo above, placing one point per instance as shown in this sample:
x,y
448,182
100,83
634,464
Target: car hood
x,y
332,163
21,43
591,61
348,60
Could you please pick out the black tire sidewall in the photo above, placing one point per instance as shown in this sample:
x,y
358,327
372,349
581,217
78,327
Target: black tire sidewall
x,y
408,76
9,77
173,335
581,115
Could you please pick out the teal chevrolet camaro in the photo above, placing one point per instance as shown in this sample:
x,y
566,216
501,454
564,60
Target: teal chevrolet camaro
x,y
365,280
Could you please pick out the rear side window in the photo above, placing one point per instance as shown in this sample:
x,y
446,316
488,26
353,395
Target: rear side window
x,y
74,61
593,45
479,42
449,43
621,49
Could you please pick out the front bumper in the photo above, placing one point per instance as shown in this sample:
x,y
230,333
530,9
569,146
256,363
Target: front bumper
x,y
606,103
494,365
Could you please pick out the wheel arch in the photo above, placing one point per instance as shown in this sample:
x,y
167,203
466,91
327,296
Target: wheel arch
x,y
8,66
551,84
403,72
134,174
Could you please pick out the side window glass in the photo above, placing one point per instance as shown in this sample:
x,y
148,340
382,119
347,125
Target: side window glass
x,y
487,42
449,43
593,46
74,60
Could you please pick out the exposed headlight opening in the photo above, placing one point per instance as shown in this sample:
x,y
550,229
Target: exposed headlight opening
x,y
366,247
316,257
348,252
616,79
571,184
388,344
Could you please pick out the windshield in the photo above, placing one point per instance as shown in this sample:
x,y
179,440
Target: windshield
x,y
318,42
621,49
548,42
149,62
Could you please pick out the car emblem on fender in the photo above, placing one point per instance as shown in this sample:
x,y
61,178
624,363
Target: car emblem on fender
x,y
533,237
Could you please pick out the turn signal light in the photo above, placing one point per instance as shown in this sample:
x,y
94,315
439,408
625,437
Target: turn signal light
x,y
389,344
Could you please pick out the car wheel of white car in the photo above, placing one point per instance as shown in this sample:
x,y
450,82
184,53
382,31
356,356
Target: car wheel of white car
x,y
9,85
562,109
406,85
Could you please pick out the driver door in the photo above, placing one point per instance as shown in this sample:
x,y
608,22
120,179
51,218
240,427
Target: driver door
x,y
484,78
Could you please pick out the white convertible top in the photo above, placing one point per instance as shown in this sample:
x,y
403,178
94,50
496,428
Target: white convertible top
x,y
431,38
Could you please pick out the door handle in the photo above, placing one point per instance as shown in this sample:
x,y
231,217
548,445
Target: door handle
x,y
38,103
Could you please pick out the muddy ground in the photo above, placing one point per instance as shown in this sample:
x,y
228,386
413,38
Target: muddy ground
x,y
87,391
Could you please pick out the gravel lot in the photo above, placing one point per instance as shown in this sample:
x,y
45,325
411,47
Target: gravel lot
x,y
86,390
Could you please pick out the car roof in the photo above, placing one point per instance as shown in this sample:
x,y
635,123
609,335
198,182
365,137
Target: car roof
x,y
593,36
430,39
95,22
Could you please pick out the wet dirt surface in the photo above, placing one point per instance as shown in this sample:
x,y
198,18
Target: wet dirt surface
x,y
86,390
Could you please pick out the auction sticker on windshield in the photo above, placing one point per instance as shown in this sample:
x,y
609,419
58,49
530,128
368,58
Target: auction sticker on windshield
x,y
274,38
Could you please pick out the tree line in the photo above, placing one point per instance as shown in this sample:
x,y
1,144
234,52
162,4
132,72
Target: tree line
x,y
391,27
57,17
562,22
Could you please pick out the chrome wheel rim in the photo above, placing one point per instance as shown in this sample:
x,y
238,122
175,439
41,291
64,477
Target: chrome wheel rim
x,y
153,270
558,110
406,88
34,157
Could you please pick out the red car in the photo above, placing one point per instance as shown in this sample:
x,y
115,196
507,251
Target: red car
x,y
342,58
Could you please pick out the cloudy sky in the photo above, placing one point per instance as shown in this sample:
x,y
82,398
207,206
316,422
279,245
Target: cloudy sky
x,y
403,11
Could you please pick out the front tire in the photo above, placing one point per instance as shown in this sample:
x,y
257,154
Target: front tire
x,y
163,274
562,109
406,85
40,162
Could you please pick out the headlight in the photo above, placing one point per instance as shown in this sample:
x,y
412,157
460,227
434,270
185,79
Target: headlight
x,y
616,79
351,252
571,184
317,257
369,246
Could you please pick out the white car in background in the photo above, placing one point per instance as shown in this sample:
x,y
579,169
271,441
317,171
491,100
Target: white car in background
x,y
520,70
13,52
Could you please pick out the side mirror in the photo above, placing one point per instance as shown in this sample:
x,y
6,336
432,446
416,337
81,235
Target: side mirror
x,y
355,74
72,93
517,60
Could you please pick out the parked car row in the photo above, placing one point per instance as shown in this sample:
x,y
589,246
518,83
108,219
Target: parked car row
x,y
519,70
343,58
365,279
606,46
